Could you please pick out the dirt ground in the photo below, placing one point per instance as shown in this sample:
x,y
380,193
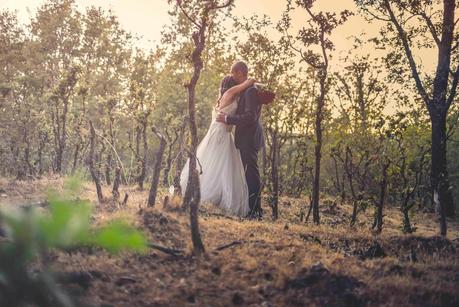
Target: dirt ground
x,y
260,263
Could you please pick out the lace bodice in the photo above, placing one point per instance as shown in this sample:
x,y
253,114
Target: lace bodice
x,y
229,109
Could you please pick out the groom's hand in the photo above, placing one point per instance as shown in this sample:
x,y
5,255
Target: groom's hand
x,y
221,117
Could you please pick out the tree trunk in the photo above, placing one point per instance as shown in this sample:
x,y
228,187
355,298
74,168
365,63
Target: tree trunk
x,y
157,168
355,206
41,147
167,169
274,176
195,233
318,147
108,167
75,158
141,136
116,184
378,222
193,193
440,106
439,174
143,172
138,138
92,167
437,106
62,135
406,222
264,163
30,168
179,160
101,156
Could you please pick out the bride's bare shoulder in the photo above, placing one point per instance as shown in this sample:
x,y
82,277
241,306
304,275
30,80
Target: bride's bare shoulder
x,y
226,102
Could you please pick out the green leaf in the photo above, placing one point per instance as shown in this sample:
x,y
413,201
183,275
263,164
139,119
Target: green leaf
x,y
67,224
118,236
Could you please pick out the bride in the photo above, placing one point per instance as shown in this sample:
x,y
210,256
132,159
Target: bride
x,y
222,179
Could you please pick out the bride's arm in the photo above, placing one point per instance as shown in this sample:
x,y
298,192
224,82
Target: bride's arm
x,y
229,95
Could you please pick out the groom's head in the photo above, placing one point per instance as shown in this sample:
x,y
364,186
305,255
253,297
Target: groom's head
x,y
239,71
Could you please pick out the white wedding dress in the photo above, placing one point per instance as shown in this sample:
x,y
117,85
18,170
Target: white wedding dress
x,y
222,179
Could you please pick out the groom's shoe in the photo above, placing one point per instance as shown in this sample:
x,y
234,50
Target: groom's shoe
x,y
250,216
254,215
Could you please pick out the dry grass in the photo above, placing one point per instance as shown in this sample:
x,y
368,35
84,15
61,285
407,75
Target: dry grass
x,y
282,263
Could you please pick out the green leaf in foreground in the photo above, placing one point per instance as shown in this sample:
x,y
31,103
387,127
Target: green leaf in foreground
x,y
67,223
118,236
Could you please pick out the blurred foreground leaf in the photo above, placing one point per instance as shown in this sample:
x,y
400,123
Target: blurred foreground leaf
x,y
31,232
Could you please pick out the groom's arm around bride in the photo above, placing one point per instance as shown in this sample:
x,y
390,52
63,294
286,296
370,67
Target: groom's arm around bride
x,y
249,115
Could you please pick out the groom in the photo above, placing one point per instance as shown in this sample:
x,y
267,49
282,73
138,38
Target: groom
x,y
248,135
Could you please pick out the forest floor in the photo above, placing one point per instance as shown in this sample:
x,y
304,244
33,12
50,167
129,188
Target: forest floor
x,y
282,263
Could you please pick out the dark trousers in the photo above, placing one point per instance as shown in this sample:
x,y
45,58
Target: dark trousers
x,y
249,157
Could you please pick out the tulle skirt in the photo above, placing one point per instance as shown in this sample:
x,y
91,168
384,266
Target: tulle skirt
x,y
222,180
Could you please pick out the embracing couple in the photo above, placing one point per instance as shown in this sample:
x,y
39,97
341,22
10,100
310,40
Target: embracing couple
x,y
228,165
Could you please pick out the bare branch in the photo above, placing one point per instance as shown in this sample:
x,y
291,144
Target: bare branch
x,y
222,247
222,6
374,15
347,89
409,54
431,26
179,4
113,149
166,250
302,55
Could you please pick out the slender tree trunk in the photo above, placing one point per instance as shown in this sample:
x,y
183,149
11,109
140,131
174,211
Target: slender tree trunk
x,y
101,156
30,168
61,133
274,176
167,169
116,184
80,145
143,173
141,137
349,167
406,222
339,183
355,206
138,138
63,139
439,173
75,157
41,147
378,222
264,163
92,167
318,147
108,168
193,193
179,160
157,168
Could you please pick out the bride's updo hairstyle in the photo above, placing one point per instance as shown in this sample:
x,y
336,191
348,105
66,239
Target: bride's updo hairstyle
x,y
227,83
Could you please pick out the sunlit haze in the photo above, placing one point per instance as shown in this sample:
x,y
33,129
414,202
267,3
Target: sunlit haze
x,y
145,18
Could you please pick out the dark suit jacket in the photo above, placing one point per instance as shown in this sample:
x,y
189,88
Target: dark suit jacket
x,y
249,132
